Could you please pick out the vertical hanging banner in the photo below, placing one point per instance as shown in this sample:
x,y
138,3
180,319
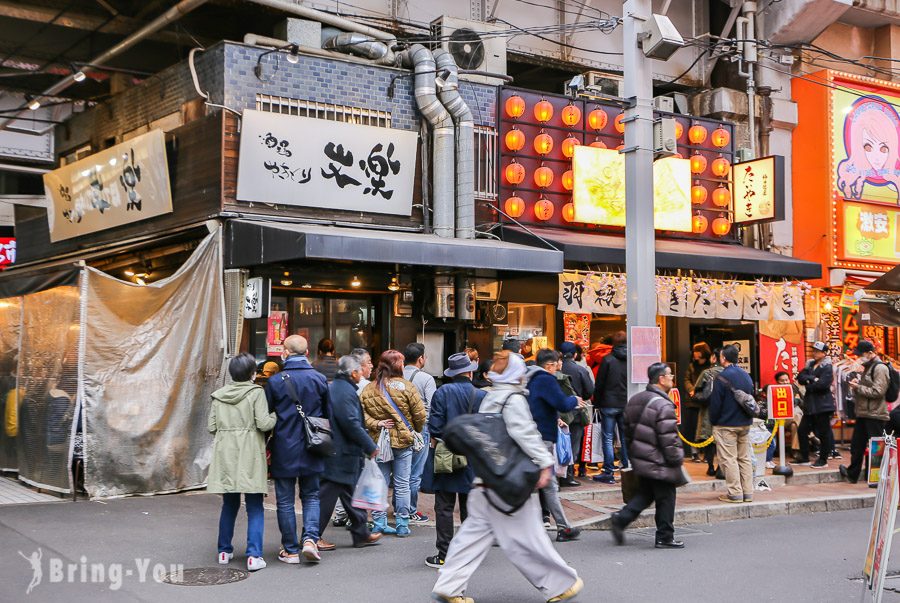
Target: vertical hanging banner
x,y
276,332
572,293
644,345
701,299
671,296
757,301
729,302
607,293
787,302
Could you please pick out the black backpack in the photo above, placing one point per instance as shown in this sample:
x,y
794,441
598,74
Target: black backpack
x,y
494,456
893,390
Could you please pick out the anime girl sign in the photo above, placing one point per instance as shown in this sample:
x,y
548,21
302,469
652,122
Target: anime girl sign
x,y
871,150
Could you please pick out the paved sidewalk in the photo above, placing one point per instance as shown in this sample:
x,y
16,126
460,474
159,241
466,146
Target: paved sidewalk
x,y
14,492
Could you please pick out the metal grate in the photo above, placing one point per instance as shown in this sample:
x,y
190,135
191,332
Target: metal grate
x,y
305,108
234,284
485,163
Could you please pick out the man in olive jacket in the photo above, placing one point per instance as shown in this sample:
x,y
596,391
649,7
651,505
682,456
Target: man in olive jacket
x,y
352,445
656,455
871,408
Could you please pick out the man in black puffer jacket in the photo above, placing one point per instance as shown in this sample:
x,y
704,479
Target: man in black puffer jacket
x,y
818,406
656,455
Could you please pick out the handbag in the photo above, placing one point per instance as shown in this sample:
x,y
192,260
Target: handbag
x,y
746,402
418,441
385,453
317,429
495,457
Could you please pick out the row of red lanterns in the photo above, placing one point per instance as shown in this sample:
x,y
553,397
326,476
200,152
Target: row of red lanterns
x,y
544,209
721,226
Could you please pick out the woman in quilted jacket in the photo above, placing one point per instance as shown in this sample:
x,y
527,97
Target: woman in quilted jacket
x,y
392,403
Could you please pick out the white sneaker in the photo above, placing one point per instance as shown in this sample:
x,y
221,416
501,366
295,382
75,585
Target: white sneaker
x,y
311,551
770,465
292,558
255,563
224,558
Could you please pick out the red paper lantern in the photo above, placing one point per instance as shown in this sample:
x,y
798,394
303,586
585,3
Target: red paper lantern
x,y
543,111
514,206
597,119
515,139
620,147
568,212
515,173
571,115
679,130
698,163
720,167
568,180
721,226
515,106
598,144
698,194
699,223
720,137
721,197
543,177
617,122
697,134
543,210
543,144
568,146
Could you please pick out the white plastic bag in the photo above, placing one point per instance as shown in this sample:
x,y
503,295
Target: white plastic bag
x,y
371,490
385,452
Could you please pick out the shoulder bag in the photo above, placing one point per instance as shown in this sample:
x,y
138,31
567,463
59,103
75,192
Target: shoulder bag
x,y
444,460
317,429
418,441
745,401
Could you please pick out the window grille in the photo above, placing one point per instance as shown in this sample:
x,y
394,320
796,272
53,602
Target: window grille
x,y
305,108
485,163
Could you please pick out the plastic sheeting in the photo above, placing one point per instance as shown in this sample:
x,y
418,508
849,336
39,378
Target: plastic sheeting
x,y
47,382
152,357
10,321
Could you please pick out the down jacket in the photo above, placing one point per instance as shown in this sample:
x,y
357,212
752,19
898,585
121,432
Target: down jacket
x,y
817,379
651,431
377,408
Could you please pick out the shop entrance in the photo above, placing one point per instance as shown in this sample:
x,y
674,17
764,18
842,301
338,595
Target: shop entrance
x,y
716,334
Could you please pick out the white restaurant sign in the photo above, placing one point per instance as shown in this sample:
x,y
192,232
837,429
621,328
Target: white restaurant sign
x,y
291,160
120,185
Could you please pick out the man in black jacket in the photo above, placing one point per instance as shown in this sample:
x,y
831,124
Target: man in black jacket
x,y
352,445
656,455
818,406
583,384
610,396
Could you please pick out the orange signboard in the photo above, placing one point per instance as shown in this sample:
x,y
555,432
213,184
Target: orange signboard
x,y
675,396
781,402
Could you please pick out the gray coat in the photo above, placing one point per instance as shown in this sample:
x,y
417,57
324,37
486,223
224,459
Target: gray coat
x,y
651,431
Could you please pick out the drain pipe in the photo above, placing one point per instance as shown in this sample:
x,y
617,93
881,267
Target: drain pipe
x,y
326,18
465,146
258,40
442,137
362,45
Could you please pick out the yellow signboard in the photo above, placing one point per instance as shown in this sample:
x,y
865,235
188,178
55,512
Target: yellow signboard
x,y
870,233
599,191
758,190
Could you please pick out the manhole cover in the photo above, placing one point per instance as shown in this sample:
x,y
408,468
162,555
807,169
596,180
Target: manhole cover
x,y
205,576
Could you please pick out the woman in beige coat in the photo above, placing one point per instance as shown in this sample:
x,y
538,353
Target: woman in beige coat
x,y
239,418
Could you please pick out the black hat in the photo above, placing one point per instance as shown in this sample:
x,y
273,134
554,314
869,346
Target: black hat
x,y
512,344
458,364
864,346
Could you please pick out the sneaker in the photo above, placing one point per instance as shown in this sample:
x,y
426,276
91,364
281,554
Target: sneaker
x,y
802,464
224,558
819,465
418,517
669,544
835,454
435,561
845,473
605,478
340,520
290,558
311,551
444,599
770,465
547,525
728,499
711,472
569,594
568,534
255,564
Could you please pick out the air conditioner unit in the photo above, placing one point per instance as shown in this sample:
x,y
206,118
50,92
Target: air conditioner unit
x,y
471,50
602,83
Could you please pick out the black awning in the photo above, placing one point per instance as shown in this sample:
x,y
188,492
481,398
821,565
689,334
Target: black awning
x,y
889,281
598,248
879,313
15,282
252,243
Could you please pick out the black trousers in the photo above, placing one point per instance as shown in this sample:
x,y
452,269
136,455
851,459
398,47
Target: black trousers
x,y
443,517
862,431
577,432
329,492
819,424
688,428
652,491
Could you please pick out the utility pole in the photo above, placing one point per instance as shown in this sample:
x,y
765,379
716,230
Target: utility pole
x,y
640,236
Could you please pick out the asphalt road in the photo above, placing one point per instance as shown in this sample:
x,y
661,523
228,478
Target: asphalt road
x,y
797,558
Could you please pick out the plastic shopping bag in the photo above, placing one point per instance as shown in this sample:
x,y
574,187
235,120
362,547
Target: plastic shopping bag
x,y
371,491
564,447
385,452
592,444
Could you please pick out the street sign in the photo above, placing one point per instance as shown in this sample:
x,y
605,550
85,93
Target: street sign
x,y
781,402
882,530
675,396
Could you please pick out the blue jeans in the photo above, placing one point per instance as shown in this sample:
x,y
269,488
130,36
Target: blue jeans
x,y
285,491
415,476
613,418
231,504
401,467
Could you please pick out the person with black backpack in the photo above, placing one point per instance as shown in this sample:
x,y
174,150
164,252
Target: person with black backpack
x,y
870,393
515,527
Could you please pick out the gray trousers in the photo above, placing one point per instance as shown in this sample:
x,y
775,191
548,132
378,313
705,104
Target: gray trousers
x,y
522,539
550,493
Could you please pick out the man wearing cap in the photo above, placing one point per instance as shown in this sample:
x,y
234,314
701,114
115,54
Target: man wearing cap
x,y
818,405
871,408
456,397
577,420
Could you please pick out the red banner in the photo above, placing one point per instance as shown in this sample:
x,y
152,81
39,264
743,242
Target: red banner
x,y
777,355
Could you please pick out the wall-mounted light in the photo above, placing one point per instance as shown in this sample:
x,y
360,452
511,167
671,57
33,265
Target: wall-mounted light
x,y
33,103
394,284
356,283
286,280
293,56
78,75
